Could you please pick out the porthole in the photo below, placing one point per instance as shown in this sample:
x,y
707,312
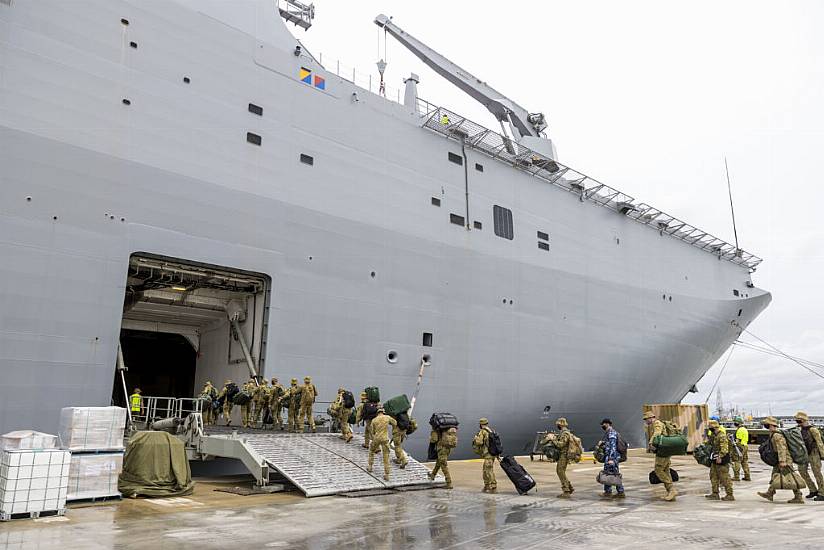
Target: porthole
x,y
427,358
392,357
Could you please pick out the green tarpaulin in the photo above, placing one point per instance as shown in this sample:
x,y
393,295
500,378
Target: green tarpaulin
x,y
155,465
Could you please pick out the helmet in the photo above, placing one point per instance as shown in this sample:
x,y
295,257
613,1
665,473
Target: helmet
x,y
738,420
771,421
562,422
648,415
714,417
483,421
138,390
801,415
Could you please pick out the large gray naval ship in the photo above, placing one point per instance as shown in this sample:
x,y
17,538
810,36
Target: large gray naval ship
x,y
182,181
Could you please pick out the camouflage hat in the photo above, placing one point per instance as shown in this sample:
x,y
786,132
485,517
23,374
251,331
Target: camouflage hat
x,y
294,380
713,424
380,410
483,421
363,395
228,381
561,422
307,379
274,381
648,415
801,415
341,390
771,421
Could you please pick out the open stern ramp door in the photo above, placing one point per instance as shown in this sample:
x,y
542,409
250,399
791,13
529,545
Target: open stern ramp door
x,y
317,464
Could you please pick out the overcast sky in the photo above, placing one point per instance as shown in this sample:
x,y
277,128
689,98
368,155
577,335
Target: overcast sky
x,y
648,97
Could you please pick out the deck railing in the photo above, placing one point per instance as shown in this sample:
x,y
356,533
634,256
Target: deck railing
x,y
504,149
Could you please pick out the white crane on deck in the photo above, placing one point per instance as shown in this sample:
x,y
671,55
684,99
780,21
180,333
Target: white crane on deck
x,y
528,128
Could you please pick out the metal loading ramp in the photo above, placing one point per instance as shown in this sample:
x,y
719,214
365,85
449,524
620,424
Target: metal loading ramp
x,y
321,464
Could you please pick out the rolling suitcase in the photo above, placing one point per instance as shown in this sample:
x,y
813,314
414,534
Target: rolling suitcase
x,y
522,481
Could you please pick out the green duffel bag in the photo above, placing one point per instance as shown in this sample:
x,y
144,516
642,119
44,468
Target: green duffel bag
x,y
670,445
373,394
703,455
599,453
353,416
397,405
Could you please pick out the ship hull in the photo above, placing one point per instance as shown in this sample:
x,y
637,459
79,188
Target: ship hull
x,y
615,315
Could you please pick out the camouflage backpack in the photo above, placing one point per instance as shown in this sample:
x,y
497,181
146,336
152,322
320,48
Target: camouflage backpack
x,y
671,428
449,438
575,449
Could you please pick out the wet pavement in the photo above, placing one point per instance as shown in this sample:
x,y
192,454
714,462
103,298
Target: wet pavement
x,y
437,518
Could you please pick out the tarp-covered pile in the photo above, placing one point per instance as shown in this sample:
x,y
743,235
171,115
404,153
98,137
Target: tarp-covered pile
x,y
155,465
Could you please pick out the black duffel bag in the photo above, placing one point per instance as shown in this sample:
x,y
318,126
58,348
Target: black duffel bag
x,y
443,421
653,477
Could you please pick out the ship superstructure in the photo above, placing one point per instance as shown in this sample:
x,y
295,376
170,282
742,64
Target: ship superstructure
x,y
182,179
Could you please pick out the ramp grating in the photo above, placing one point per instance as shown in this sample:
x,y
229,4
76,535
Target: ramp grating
x,y
322,464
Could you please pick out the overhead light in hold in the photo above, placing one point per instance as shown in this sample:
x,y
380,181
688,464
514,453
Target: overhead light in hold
x,y
180,288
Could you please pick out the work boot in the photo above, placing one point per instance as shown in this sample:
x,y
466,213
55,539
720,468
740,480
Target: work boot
x,y
819,498
448,486
492,491
736,478
606,495
386,477
747,478
565,494
620,495
431,476
728,498
671,494
812,494
369,469
768,496
485,490
797,500
364,445
712,496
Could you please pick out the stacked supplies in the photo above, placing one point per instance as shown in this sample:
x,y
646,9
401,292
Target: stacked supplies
x,y
33,481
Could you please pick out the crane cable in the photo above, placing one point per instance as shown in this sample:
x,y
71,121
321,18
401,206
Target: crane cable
x,y
753,347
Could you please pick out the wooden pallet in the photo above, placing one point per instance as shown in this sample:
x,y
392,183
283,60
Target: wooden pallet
x,y
94,499
4,516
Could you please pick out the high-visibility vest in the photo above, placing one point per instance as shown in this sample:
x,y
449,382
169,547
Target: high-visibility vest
x,y
742,435
444,119
134,399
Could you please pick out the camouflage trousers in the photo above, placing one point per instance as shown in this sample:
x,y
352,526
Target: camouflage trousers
x,y
744,464
489,473
246,414
305,415
815,466
367,433
662,470
258,415
560,469
379,446
277,414
293,419
720,475
343,420
397,441
442,464
227,411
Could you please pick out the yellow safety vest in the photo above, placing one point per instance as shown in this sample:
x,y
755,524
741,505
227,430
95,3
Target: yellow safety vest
x,y
742,435
135,401
444,119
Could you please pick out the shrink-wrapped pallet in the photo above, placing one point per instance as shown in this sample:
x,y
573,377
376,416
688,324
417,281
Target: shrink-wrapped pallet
x,y
94,475
92,428
33,481
27,439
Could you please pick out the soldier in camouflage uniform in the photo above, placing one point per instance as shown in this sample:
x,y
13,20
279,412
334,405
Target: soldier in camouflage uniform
x,y
444,441
720,467
480,444
815,449
307,398
380,440
366,421
227,402
208,396
292,398
246,408
261,398
275,405
398,437
562,441
662,464
342,415
785,461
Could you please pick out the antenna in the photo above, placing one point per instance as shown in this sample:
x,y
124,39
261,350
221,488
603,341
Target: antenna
x,y
732,210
